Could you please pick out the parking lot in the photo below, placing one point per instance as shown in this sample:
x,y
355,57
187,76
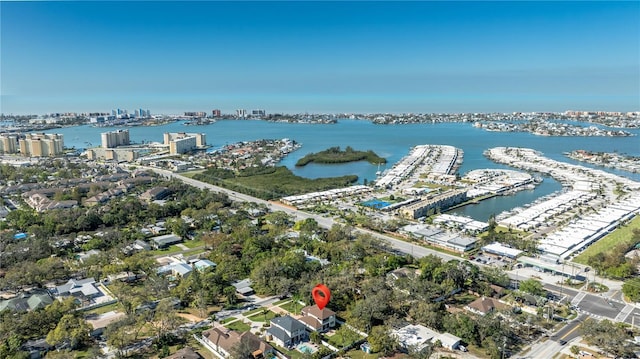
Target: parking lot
x,y
488,259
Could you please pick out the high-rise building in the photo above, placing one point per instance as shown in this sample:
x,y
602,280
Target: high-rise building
x,y
41,145
114,139
8,144
216,113
182,142
258,113
241,113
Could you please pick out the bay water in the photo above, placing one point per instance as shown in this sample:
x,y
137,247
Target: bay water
x,y
389,141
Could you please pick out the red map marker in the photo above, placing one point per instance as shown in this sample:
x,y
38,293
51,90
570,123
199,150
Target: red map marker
x,y
321,295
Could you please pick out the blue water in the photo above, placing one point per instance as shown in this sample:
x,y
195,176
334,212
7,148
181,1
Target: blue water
x,y
390,141
375,203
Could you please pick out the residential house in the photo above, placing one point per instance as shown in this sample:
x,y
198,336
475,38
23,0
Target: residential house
x,y
484,305
203,264
156,193
185,353
286,331
175,269
78,288
26,301
243,287
222,341
418,336
37,348
317,319
165,240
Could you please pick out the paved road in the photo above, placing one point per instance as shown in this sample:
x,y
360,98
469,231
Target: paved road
x,y
557,341
569,331
324,222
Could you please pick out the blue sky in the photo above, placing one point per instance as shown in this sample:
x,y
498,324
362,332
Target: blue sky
x,y
319,56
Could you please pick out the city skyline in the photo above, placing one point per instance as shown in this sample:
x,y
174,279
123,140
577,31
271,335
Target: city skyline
x,y
295,57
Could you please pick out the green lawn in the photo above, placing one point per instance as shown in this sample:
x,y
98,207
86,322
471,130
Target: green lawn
x,y
260,317
105,309
193,244
238,326
359,354
252,312
171,250
292,307
227,320
338,341
293,354
278,303
621,235
190,174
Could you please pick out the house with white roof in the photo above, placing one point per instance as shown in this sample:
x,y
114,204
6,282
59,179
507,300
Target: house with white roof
x,y
418,336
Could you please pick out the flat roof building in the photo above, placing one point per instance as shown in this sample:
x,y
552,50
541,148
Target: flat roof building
x,y
182,142
114,139
41,145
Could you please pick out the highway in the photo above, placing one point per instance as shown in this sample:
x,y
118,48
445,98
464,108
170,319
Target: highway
x,y
324,222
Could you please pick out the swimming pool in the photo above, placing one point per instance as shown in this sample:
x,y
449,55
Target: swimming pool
x,y
305,349
375,203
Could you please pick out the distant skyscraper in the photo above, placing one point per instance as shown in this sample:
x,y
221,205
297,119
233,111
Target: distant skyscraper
x,y
215,113
241,113
258,113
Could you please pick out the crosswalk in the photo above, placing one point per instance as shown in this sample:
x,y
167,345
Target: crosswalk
x,y
624,313
578,298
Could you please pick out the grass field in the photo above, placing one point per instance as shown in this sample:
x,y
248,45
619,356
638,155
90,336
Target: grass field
x,y
104,309
282,301
227,320
260,317
292,307
621,235
193,244
359,354
238,326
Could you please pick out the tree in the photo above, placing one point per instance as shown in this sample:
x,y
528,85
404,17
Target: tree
x,y
574,349
611,337
532,286
243,349
71,329
165,319
315,337
381,341
421,352
631,289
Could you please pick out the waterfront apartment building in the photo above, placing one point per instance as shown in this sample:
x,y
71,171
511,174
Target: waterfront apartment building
x,y
216,113
41,145
112,154
8,144
242,113
430,205
114,139
182,142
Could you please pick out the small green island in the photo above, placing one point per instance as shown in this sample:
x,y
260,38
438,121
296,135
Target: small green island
x,y
336,155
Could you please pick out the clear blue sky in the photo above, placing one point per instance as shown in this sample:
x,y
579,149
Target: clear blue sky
x,y
332,57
